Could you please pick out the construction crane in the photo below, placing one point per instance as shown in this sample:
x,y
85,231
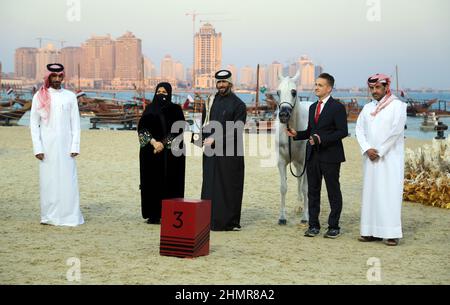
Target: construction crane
x,y
194,15
40,39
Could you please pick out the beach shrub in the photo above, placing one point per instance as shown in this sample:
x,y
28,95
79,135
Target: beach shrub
x,y
427,174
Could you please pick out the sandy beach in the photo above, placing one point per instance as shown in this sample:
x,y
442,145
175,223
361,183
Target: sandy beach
x,y
116,246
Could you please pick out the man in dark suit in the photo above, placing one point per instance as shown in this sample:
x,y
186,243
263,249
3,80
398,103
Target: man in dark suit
x,y
327,126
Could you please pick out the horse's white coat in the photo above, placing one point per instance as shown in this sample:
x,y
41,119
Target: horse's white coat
x,y
298,120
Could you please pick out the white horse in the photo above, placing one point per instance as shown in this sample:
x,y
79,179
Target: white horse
x,y
295,115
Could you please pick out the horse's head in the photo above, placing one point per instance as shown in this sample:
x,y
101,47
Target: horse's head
x,y
287,93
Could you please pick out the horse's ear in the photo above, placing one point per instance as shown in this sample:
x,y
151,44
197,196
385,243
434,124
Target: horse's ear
x,y
297,76
280,76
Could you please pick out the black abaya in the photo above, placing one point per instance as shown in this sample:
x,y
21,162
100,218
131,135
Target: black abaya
x,y
162,175
223,176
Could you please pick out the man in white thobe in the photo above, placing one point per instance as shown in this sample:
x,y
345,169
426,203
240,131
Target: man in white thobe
x,y
380,133
55,131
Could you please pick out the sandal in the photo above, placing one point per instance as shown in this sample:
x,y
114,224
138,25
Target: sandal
x,y
391,242
369,238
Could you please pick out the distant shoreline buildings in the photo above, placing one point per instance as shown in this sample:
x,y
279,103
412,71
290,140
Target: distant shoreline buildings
x,y
102,62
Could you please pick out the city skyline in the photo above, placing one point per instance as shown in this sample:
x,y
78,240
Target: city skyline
x,y
336,35
110,62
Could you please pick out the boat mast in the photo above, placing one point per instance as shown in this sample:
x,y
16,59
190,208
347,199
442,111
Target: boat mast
x,y
1,86
143,85
257,91
79,87
396,76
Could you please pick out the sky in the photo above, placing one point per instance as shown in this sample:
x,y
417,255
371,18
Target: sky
x,y
351,39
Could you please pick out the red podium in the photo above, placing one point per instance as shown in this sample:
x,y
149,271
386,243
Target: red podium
x,y
185,226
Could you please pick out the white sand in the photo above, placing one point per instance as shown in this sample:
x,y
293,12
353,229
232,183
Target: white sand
x,y
116,246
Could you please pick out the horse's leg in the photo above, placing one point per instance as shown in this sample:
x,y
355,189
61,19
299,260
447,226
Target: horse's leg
x,y
304,191
298,170
283,191
303,187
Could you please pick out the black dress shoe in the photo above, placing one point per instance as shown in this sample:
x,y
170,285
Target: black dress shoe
x,y
312,232
332,233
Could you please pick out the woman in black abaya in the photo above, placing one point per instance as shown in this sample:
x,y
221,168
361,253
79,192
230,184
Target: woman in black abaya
x,y
162,157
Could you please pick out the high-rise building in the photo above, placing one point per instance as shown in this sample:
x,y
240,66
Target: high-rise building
x,y
275,70
179,71
45,56
98,58
208,56
128,57
247,77
149,68
317,71
189,75
70,58
307,73
234,73
25,63
168,67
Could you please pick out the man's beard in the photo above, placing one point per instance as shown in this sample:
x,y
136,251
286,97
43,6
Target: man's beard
x,y
377,97
56,85
224,92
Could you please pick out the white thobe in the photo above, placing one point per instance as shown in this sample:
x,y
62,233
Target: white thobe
x,y
57,139
383,179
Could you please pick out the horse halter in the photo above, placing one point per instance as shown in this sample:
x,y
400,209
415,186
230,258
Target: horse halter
x,y
294,95
291,106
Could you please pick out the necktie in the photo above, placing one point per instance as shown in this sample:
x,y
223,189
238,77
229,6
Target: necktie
x,y
319,107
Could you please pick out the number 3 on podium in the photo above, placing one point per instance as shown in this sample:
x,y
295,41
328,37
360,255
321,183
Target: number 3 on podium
x,y
179,223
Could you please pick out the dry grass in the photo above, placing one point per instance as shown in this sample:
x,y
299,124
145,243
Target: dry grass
x,y
427,174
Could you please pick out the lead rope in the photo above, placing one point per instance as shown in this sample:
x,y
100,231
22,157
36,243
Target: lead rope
x,y
290,159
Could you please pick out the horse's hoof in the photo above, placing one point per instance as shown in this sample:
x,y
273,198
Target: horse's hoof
x,y
282,222
303,223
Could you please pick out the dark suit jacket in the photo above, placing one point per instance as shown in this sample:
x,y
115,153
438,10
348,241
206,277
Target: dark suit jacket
x,y
331,128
